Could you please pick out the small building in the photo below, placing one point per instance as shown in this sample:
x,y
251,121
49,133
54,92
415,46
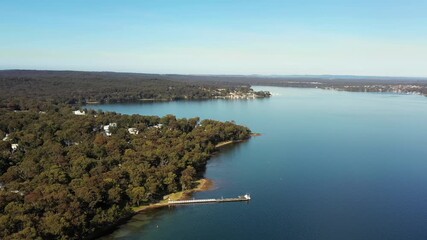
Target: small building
x,y
14,146
158,126
6,138
17,192
133,131
78,112
107,128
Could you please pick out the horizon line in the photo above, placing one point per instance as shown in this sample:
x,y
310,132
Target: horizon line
x,y
223,74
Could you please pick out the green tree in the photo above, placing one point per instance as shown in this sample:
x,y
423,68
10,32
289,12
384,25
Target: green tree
x,y
187,177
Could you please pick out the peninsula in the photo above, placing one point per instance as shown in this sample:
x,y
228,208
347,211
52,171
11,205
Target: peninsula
x,y
69,172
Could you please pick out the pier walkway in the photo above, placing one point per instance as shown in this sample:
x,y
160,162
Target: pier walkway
x,y
245,197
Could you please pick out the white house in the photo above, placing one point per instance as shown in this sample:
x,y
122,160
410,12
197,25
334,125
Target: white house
x,y
78,112
14,146
133,131
107,128
6,137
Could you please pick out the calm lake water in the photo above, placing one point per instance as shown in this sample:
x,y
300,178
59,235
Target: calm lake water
x,y
329,165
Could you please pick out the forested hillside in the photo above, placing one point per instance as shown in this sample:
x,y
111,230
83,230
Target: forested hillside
x,y
65,176
67,173
26,88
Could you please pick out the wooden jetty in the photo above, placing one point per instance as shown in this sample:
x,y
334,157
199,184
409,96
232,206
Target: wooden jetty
x,y
243,198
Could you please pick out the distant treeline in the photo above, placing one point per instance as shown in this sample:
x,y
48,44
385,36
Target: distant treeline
x,y
30,87
345,83
353,84
77,87
65,176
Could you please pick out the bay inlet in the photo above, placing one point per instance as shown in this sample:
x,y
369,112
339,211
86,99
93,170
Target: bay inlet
x,y
329,165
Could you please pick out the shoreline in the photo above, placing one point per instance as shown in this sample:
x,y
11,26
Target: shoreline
x,y
203,184
222,144
225,143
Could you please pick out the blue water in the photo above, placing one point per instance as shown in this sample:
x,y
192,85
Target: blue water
x,y
329,165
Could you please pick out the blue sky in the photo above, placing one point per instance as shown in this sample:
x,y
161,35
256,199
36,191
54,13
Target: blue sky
x,y
364,37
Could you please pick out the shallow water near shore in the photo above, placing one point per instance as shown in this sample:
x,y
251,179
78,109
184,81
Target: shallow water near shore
x,y
329,165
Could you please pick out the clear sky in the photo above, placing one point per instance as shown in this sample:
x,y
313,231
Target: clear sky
x,y
360,37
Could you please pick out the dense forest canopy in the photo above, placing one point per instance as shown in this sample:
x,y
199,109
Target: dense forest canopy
x,y
18,87
63,176
67,172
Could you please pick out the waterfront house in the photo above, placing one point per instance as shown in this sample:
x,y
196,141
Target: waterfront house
x,y
78,112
